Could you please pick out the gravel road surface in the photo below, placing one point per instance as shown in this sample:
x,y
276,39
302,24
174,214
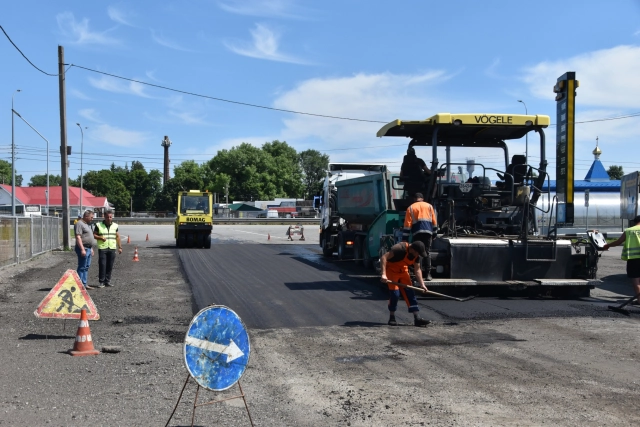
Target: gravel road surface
x,y
529,370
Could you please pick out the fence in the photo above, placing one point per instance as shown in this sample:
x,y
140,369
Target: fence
x,y
22,238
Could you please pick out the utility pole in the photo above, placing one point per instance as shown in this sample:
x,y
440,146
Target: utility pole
x,y
64,159
13,162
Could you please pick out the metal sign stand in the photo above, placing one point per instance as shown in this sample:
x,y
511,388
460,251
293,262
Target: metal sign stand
x,y
195,402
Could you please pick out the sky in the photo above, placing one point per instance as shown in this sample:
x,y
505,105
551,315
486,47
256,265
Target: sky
x,y
212,74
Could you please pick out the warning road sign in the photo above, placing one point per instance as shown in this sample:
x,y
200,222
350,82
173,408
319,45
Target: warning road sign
x,y
67,299
216,348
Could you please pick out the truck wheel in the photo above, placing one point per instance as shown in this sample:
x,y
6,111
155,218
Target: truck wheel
x,y
207,242
343,252
326,249
190,240
367,261
358,249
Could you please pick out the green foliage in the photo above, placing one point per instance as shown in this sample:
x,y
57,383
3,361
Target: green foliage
x,y
41,180
314,166
248,172
5,173
615,172
257,173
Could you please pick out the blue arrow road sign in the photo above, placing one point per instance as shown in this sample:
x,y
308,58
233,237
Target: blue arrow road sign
x,y
216,348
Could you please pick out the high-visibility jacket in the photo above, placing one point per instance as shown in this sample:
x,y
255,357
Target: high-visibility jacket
x,y
420,218
631,248
398,271
109,232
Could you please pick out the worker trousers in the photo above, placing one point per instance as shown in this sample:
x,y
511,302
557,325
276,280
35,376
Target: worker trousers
x,y
106,259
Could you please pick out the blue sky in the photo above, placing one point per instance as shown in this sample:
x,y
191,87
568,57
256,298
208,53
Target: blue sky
x,y
369,60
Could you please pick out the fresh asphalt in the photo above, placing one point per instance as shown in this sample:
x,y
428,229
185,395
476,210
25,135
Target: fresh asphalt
x,y
272,282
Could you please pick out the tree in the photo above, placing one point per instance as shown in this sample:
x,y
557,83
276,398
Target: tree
x,y
106,183
313,164
615,172
41,180
257,173
5,174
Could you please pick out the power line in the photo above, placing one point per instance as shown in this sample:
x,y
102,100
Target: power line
x,y
24,56
246,104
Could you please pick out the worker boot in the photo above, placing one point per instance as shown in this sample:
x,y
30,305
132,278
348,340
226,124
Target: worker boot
x,y
419,321
426,265
392,321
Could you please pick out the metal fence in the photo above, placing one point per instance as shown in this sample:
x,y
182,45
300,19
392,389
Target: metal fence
x,y
23,238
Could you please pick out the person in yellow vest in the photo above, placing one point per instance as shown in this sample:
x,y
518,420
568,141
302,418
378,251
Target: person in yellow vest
x,y
108,238
631,252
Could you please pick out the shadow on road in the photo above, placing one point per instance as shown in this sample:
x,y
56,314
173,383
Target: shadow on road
x,y
46,337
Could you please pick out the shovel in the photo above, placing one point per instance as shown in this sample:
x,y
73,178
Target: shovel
x,y
413,288
620,308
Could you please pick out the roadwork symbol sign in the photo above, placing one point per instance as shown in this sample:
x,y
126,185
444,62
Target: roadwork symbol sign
x,y
216,348
67,298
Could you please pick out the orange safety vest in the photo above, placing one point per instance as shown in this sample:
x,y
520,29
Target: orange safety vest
x,y
419,218
399,269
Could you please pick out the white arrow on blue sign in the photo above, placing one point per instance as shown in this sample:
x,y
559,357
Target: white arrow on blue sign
x,y
216,348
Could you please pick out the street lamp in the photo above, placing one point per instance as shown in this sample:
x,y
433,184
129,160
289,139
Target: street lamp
x,y
526,152
13,162
81,151
36,131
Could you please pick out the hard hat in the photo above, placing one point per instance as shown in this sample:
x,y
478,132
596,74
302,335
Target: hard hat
x,y
411,151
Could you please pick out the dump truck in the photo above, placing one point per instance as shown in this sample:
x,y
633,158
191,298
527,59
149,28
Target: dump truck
x,y
194,219
357,210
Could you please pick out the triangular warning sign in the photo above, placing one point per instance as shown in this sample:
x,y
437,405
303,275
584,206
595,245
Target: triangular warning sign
x,y
67,298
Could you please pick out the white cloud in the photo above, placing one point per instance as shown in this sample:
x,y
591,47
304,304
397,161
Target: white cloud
x,y
491,70
607,77
162,41
90,114
265,45
273,8
78,32
120,16
189,118
79,94
120,137
111,84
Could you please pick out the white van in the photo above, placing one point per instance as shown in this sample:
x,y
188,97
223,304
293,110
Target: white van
x,y
272,214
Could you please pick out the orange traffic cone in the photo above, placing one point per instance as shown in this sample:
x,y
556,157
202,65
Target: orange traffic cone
x,y
135,255
147,237
268,236
128,239
83,346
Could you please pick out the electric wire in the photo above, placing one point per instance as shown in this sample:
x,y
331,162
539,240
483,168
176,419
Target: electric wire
x,y
25,56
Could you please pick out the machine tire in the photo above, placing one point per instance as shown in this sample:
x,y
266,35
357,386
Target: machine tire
x,y
367,261
207,242
326,250
342,251
190,240
182,240
358,249
200,240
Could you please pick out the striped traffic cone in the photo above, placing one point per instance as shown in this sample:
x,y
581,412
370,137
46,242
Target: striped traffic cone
x,y
135,255
83,346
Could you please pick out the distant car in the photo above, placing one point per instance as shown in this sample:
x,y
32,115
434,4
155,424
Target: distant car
x,y
262,215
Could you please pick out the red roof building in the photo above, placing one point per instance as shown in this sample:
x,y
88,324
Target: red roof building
x,y
37,196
